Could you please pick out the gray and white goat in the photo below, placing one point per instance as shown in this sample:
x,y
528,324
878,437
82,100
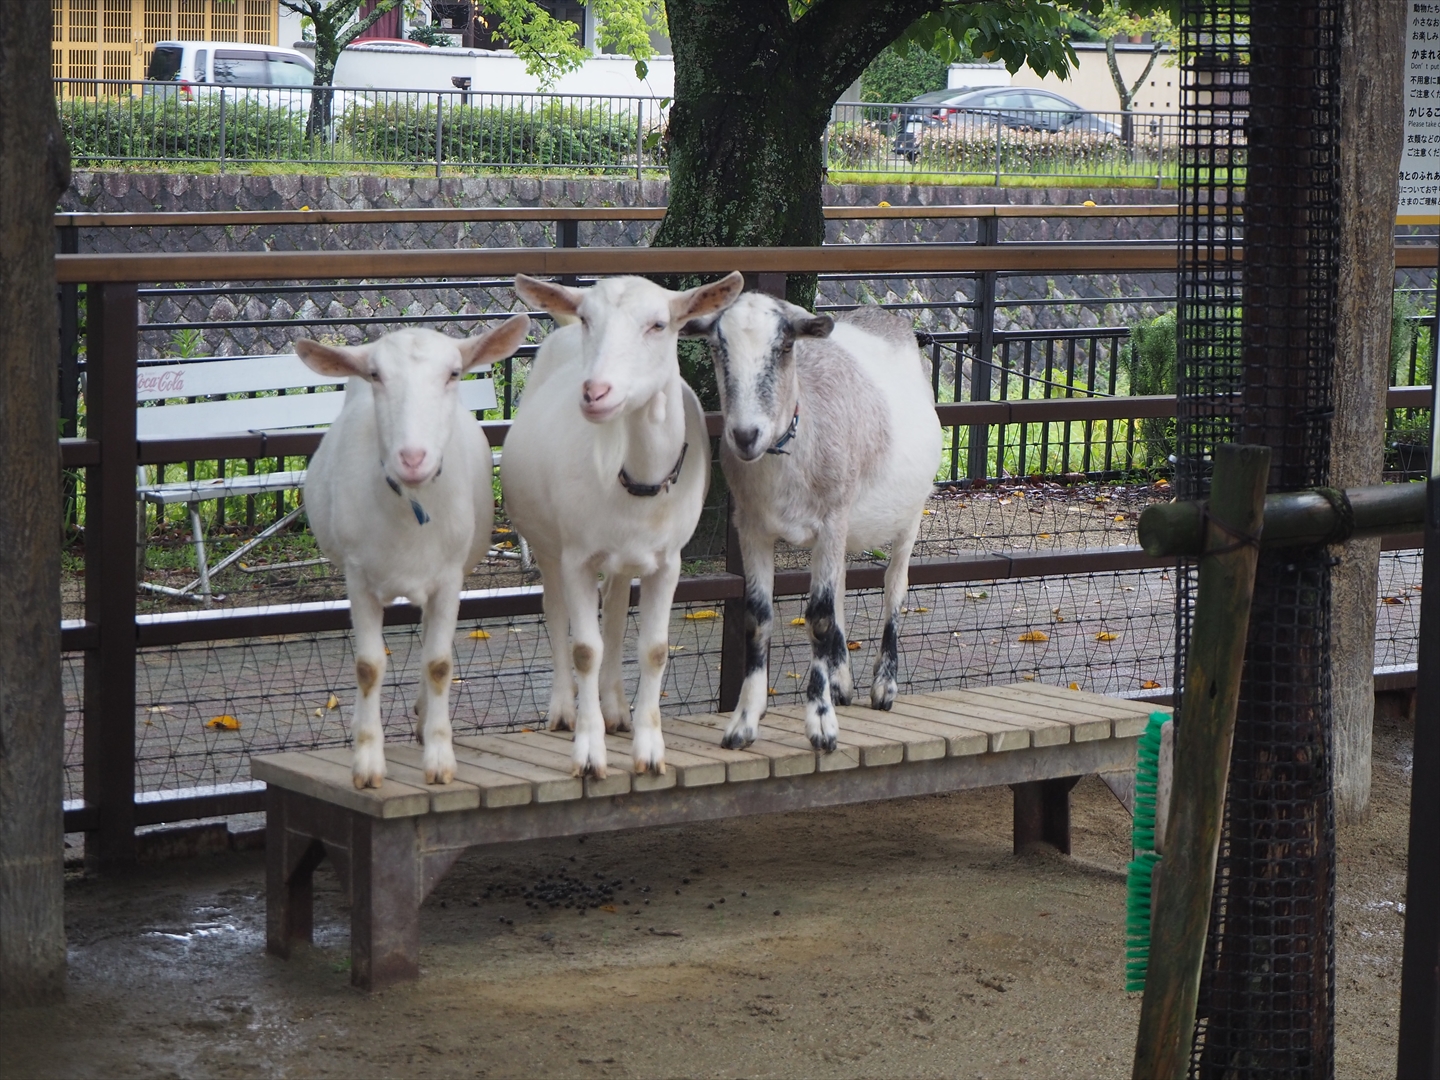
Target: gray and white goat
x,y
830,442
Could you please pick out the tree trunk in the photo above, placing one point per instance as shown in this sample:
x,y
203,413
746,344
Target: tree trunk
x,y
753,92
1371,90
34,170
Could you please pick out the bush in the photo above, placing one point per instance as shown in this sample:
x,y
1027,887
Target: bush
x,y
1150,363
161,128
893,78
555,134
857,145
970,147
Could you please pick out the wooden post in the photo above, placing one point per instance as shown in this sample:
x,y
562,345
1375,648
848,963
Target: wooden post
x,y
1181,913
1419,1053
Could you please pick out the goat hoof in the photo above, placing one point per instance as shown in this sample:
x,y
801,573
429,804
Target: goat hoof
x,y
826,743
736,740
559,723
368,780
439,776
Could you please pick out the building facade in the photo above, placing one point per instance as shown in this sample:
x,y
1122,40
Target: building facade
x,y
113,39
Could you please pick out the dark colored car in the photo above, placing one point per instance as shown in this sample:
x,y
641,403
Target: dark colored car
x,y
1016,107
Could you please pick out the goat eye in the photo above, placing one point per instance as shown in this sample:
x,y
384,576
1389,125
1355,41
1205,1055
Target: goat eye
x,y
454,376
657,327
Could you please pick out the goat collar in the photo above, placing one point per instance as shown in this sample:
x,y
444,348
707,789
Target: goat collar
x,y
645,491
421,517
779,447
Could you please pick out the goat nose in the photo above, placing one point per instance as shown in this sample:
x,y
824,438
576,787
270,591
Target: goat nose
x,y
745,438
412,458
595,391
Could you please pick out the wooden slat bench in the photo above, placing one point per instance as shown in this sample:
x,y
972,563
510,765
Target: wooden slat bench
x,y
391,845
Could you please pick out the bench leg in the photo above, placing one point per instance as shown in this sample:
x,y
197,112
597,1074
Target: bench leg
x,y
1042,813
386,888
197,535
290,861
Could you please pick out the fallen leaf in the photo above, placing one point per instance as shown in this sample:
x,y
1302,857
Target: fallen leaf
x,y
318,712
1028,678
1392,599
457,682
926,513
332,702
798,622
1107,636
922,610
223,723
1150,684
677,648
531,730
387,650
772,691
1119,517
793,675
501,529
664,693
1031,636
480,635
608,907
852,646
304,208
158,708
976,595
1074,686
706,614
1042,536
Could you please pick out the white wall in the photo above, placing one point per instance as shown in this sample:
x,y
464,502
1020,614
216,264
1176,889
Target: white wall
x,y
1091,87
397,67
976,76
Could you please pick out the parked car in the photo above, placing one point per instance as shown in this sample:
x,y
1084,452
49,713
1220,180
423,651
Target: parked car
x,y
189,70
1017,108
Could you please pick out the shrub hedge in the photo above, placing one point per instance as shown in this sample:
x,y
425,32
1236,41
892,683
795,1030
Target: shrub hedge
x,y
161,128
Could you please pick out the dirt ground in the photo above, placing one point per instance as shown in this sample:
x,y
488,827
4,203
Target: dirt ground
x,y
901,939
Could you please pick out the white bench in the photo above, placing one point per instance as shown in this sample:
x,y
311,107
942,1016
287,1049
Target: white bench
x,y
196,398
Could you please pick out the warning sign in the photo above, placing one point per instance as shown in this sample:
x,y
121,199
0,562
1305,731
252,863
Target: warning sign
x,y
1420,159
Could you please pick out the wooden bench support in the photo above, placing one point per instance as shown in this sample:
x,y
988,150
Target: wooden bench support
x,y
1042,813
391,845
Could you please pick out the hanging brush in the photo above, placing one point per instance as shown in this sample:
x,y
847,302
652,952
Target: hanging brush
x,y
1141,871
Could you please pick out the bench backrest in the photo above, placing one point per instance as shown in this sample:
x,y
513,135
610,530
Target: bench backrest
x,y
296,397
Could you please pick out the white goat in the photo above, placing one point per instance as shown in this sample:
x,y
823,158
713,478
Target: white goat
x,y
400,495
618,496
831,442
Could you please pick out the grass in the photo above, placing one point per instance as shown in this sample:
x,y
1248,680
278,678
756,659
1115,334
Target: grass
x,y
838,176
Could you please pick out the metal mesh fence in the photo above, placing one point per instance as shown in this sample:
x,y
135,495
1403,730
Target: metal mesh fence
x,y
1260,120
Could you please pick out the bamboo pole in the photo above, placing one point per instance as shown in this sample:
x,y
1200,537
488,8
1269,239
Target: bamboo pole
x,y
1296,518
1202,762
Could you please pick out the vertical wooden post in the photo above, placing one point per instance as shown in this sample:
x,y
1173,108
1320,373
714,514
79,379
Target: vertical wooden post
x,y
112,327
1420,969
977,460
1181,912
1042,813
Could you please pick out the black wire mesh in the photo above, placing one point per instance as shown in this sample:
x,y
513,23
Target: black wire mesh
x,y
1261,117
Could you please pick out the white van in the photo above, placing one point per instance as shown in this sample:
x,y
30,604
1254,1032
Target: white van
x,y
190,69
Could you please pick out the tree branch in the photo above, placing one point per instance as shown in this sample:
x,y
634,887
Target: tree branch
x,y
835,40
1154,56
383,7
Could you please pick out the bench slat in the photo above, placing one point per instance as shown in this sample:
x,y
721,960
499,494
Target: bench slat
x,y
1133,715
920,745
785,760
960,741
522,746
689,769
444,798
309,774
496,789
740,766
1065,703
788,731
875,748
1045,726
197,418
188,491
549,786
1000,737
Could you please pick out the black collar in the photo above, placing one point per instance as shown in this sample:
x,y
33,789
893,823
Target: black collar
x,y
779,447
421,517
647,490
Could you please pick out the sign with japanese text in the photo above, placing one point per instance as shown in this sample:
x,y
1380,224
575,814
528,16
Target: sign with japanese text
x,y
1420,158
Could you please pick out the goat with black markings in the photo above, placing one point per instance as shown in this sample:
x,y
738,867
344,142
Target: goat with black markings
x,y
830,442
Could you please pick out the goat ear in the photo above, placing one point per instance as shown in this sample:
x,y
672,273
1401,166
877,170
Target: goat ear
x,y
812,326
559,300
341,361
702,327
706,299
496,343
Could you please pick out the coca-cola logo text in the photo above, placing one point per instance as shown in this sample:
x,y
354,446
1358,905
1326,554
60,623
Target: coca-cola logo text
x,y
170,381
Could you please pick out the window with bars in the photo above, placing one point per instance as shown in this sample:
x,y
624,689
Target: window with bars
x,y
83,23
57,20
118,24
256,26
190,20
224,20
159,20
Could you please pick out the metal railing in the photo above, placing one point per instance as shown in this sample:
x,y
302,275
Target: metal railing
x,y
237,125
991,144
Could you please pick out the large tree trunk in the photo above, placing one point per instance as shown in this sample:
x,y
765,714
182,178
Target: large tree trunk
x,y
753,92
1372,59
34,170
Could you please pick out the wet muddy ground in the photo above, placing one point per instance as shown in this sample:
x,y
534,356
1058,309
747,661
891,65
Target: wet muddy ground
x,y
898,939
